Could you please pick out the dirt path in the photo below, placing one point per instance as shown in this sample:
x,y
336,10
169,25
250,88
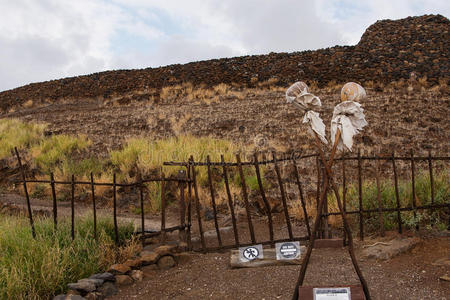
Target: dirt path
x,y
44,207
408,276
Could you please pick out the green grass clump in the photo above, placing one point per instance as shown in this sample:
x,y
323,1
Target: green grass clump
x,y
61,154
147,155
388,200
15,133
42,267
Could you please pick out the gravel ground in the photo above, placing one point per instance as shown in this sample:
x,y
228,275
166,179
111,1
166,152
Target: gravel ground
x,y
408,276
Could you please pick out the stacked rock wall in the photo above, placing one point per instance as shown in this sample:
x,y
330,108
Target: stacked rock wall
x,y
388,50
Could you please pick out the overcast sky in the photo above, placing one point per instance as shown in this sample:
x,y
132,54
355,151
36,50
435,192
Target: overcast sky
x,y
51,39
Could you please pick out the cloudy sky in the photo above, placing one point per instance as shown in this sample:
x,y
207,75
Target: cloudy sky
x,y
50,39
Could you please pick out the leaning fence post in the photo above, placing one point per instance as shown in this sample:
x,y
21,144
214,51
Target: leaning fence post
x,y
263,196
72,206
93,205
413,186
197,205
397,197
302,199
25,189
230,201
55,206
283,197
116,229
245,196
213,201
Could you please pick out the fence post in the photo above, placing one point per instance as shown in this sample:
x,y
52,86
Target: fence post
x,y
397,196
263,196
55,206
94,206
116,230
413,186
361,222
302,199
213,201
245,196
141,199
430,167
182,206
163,209
230,201
283,197
380,205
72,206
319,181
344,193
25,189
197,206
189,208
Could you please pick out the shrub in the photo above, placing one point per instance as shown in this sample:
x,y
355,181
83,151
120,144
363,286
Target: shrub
x,y
42,267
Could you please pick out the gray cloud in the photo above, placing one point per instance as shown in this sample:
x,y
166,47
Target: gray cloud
x,y
51,39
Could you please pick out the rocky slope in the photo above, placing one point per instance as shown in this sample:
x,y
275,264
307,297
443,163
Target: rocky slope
x,y
388,50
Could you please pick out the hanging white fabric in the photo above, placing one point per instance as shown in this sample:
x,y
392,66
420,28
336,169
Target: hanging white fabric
x,y
349,117
316,124
298,95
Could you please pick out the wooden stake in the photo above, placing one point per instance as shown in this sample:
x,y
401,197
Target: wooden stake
x,y
25,190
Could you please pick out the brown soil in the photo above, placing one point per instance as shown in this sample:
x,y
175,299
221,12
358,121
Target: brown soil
x,y
407,276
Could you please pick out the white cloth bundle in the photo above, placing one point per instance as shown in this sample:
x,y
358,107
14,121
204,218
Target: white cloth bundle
x,y
298,95
348,116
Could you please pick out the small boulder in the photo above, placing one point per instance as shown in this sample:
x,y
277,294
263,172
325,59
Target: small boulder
x,y
119,269
137,275
104,276
60,297
166,262
108,289
149,258
123,280
166,249
97,282
133,263
83,287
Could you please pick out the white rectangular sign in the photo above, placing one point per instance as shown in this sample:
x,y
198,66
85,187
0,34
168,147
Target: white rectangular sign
x,y
331,293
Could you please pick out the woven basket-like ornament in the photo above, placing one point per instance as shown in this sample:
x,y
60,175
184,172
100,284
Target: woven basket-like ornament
x,y
351,91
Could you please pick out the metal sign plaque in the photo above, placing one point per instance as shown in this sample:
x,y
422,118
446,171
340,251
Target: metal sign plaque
x,y
287,250
332,293
250,253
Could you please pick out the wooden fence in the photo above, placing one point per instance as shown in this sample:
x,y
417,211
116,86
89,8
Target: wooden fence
x,y
188,179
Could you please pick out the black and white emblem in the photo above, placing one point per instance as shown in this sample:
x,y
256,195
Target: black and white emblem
x,y
287,250
251,253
